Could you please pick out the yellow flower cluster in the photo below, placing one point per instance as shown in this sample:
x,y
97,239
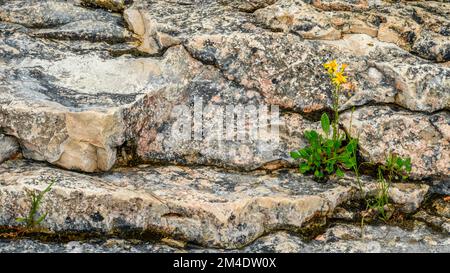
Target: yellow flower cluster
x,y
336,73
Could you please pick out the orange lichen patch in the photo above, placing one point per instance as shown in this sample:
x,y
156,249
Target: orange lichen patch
x,y
341,5
447,198
313,108
286,19
274,165
349,87
216,99
321,237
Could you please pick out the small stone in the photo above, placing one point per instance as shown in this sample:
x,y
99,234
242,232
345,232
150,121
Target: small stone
x,y
173,243
9,147
343,214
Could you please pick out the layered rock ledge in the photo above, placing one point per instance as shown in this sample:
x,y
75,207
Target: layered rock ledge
x,y
341,238
93,94
87,85
204,206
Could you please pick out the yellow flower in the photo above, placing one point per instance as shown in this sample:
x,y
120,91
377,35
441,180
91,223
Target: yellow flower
x,y
331,66
339,78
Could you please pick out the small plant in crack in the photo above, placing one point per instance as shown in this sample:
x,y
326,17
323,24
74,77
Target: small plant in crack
x,y
333,152
395,168
34,218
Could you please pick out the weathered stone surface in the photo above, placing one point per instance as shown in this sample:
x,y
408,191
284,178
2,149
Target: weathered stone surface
x,y
94,246
289,70
8,147
155,127
347,238
441,207
114,5
247,5
416,27
351,238
408,197
199,205
436,214
120,74
433,220
341,238
423,138
65,21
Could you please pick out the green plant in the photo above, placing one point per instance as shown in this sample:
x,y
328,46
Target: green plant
x,y
381,198
325,155
395,168
33,220
333,152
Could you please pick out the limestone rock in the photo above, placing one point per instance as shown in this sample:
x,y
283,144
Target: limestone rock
x,y
247,5
423,138
409,196
441,207
120,74
418,27
376,239
433,220
8,147
93,246
157,128
114,5
340,238
289,70
200,205
351,238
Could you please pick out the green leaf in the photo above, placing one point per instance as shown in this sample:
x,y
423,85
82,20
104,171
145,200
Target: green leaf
x,y
21,220
399,162
339,172
325,121
330,168
304,153
41,218
313,136
408,164
351,146
295,155
304,167
318,173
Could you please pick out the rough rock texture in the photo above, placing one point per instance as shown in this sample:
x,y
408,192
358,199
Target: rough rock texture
x,y
419,27
200,205
99,85
87,84
8,147
94,246
436,215
347,238
113,5
423,138
341,238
